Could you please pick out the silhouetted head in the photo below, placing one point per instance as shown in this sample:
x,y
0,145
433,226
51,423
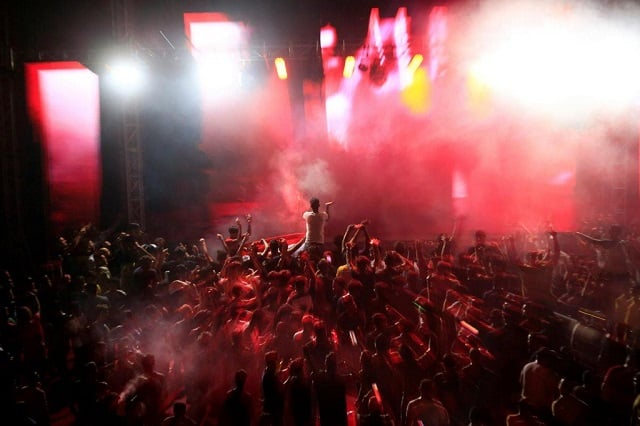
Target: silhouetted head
x,y
179,409
315,204
426,388
615,231
481,236
240,378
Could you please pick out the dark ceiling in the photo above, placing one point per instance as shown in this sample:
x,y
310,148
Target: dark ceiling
x,y
72,25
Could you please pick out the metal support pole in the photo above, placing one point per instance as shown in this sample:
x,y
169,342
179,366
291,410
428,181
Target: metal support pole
x,y
123,32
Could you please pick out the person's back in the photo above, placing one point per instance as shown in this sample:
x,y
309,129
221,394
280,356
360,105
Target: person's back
x,y
539,383
298,395
35,400
315,226
315,222
524,417
426,410
331,395
272,389
375,415
236,409
152,389
179,417
617,389
568,410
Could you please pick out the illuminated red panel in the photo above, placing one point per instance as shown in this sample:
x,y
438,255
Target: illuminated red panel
x,y
238,120
63,103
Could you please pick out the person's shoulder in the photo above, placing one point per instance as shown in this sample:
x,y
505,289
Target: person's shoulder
x,y
414,402
169,421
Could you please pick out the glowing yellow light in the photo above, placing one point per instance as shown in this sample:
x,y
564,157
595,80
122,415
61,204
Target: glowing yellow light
x,y
417,95
416,61
281,68
479,95
349,66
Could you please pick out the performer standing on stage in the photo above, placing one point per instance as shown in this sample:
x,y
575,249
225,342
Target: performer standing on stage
x,y
315,220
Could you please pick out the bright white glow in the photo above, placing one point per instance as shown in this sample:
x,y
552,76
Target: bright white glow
x,y
127,76
565,63
374,28
338,109
349,66
219,72
281,68
459,185
328,37
217,36
217,47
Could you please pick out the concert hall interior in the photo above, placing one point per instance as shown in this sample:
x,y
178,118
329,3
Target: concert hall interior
x,y
325,212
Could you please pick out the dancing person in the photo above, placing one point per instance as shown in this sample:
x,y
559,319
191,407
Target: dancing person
x,y
614,264
315,220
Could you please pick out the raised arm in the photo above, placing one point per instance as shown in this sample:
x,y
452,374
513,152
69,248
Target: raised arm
x,y
239,225
592,240
205,250
346,238
512,251
241,245
249,220
224,244
295,247
555,247
367,238
377,253
265,249
326,208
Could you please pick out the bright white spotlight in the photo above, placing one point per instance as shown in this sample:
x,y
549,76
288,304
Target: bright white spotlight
x,y
127,76
338,109
219,72
328,37
563,64
217,45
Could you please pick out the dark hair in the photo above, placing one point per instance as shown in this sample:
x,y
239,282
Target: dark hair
x,y
179,409
426,387
240,378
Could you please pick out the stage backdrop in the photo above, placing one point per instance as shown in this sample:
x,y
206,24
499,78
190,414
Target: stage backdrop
x,y
63,102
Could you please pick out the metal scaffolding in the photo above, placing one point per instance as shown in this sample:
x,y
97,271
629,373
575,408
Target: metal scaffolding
x,y
123,32
10,170
12,228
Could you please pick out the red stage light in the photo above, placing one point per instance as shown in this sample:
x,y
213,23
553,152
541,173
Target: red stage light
x,y
63,102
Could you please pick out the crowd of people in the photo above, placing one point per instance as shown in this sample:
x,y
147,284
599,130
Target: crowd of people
x,y
121,328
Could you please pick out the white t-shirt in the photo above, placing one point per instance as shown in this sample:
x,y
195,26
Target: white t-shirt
x,y
315,226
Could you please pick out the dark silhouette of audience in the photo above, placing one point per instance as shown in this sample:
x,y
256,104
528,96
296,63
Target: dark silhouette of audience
x,y
125,329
